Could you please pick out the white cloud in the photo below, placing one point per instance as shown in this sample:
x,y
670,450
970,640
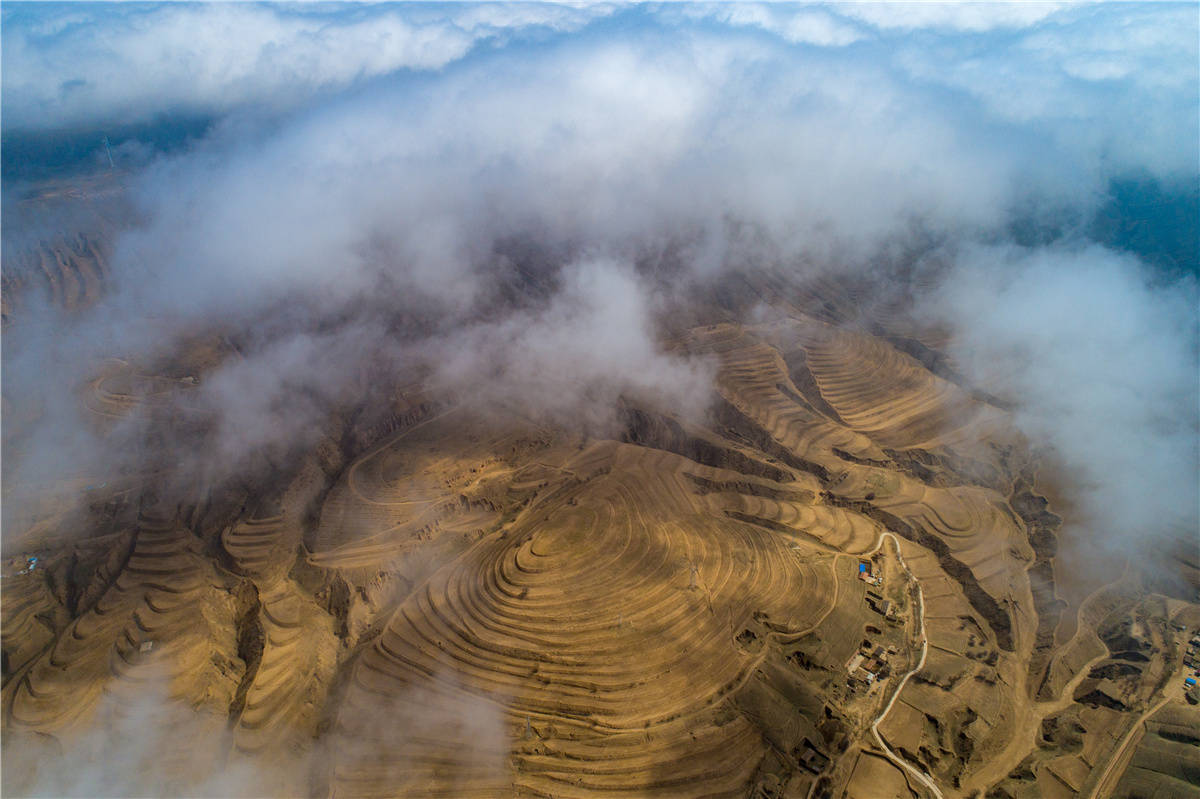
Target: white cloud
x,y
496,205
953,16
126,64
1102,365
1116,85
804,25
572,360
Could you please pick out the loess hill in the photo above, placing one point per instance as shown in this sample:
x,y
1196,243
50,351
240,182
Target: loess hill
x,y
842,581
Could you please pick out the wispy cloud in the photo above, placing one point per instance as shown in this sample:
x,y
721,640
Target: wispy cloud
x,y
120,64
503,196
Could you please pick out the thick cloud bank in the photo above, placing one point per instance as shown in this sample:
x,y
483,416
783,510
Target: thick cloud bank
x,y
83,63
508,196
1101,363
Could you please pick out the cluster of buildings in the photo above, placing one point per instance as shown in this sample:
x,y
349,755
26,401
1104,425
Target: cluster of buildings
x,y
866,575
868,665
18,566
1191,658
884,607
1191,662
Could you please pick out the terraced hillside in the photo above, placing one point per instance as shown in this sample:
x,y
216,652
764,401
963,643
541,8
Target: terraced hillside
x,y
836,583
67,270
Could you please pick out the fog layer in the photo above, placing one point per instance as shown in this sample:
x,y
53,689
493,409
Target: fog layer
x,y
489,193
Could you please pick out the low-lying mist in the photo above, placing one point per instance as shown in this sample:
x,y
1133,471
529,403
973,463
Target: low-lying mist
x,y
519,207
509,204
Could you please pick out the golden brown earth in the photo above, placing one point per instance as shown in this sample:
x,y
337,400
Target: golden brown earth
x,y
457,602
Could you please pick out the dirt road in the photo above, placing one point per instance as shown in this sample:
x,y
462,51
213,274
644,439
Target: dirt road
x,y
917,774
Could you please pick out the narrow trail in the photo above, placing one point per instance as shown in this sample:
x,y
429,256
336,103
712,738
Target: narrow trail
x,y
917,774
352,483
837,592
1099,788
1032,712
1025,739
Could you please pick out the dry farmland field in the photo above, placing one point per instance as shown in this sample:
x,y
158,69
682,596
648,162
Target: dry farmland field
x,y
839,580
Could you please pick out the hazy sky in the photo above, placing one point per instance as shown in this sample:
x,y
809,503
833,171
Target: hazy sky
x,y
301,164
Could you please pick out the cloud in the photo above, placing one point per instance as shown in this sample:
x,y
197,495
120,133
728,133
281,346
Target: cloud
x,y
803,25
501,212
122,65
1100,359
958,17
593,344
278,396
123,752
394,740
658,136
1112,86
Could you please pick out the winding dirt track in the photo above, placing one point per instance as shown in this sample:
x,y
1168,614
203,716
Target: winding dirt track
x,y
1033,713
1105,784
919,775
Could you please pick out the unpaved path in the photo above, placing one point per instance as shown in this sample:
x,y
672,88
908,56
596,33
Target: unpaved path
x,y
351,473
1101,787
918,775
1030,714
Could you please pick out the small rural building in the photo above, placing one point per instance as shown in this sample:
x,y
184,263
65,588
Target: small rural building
x,y
810,758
